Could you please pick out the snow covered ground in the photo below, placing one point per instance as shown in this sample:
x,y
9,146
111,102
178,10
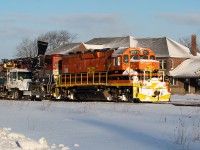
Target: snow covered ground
x,y
99,126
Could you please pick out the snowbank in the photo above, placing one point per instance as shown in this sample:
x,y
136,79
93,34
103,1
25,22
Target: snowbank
x,y
15,141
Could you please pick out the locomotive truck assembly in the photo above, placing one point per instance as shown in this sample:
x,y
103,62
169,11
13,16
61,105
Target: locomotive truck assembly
x,y
113,74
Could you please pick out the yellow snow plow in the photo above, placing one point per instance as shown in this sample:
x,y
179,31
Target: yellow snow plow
x,y
153,90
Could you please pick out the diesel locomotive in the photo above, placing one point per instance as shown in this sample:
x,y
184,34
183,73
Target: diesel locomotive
x,y
116,74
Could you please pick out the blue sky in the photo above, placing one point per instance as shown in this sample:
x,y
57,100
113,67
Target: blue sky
x,y
96,18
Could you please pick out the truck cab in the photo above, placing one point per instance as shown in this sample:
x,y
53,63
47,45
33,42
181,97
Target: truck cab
x,y
18,82
19,78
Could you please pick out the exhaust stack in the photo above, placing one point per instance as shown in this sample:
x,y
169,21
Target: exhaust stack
x,y
42,47
194,45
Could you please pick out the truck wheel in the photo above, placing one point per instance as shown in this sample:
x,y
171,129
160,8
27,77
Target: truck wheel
x,y
16,94
33,98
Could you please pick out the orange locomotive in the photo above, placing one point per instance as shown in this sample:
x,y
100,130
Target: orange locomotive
x,y
126,74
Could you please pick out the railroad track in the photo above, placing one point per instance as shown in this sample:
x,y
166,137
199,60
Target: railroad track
x,y
185,103
175,103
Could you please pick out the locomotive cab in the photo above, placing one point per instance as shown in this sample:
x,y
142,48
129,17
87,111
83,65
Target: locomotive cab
x,y
137,67
128,61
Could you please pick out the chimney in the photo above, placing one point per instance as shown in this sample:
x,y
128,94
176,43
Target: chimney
x,y
194,45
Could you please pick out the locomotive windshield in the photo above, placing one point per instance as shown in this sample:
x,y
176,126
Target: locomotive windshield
x,y
134,57
143,57
137,57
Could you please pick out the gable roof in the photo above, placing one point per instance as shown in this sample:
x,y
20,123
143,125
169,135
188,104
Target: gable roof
x,y
163,47
188,68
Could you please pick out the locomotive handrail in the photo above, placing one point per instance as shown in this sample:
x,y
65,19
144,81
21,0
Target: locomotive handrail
x,y
162,74
82,79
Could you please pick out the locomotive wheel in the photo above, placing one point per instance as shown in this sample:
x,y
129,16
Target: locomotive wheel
x,y
114,95
89,96
129,97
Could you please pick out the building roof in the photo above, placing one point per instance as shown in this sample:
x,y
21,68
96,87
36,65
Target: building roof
x,y
84,47
119,51
188,68
63,49
163,47
112,42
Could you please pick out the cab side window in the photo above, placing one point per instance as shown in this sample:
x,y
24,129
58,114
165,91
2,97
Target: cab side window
x,y
152,57
125,59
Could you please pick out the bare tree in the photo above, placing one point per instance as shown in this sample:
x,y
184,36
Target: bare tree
x,y
28,48
186,41
57,38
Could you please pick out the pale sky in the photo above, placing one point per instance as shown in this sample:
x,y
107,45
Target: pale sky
x,y
96,18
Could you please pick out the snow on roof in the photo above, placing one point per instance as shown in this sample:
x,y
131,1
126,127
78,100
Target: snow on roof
x,y
193,68
107,40
92,46
119,51
113,42
63,49
177,50
165,47
84,47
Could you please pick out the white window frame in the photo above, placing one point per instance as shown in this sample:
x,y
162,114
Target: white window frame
x,y
162,64
174,81
172,64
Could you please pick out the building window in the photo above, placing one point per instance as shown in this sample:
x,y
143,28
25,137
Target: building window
x,y
173,81
163,64
172,64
